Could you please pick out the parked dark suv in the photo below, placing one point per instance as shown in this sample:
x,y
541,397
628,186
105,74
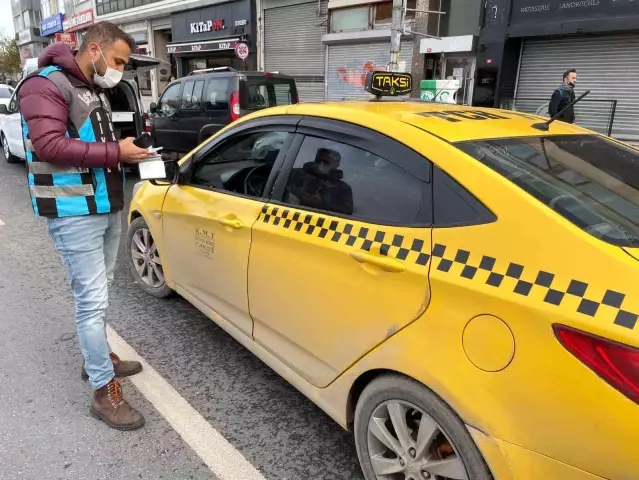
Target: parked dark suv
x,y
194,107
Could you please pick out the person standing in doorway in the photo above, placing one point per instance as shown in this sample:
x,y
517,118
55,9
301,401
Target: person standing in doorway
x,y
76,182
561,97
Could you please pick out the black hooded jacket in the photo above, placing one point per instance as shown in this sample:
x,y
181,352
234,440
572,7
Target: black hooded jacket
x,y
560,98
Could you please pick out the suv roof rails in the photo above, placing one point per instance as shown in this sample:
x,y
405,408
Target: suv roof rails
x,y
214,69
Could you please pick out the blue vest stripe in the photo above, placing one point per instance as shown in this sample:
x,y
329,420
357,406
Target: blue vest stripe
x,y
102,202
47,70
33,199
71,206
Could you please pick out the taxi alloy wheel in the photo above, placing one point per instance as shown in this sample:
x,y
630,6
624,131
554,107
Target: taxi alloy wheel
x,y
145,261
403,431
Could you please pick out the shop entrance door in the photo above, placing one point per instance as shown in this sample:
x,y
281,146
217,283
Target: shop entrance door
x,y
463,69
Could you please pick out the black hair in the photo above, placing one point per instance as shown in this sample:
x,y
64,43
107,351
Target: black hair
x,y
332,154
568,72
104,34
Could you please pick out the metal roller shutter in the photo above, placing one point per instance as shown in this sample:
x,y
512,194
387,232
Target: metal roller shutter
x,y
293,46
607,65
346,61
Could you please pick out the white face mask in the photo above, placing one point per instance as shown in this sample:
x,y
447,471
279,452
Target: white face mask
x,y
111,76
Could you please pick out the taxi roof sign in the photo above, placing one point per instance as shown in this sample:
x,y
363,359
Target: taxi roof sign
x,y
388,84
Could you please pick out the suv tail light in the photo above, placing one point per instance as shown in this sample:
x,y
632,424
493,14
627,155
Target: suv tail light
x,y
147,123
234,107
616,363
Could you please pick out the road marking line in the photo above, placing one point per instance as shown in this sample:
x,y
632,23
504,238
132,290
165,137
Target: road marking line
x,y
2,223
214,450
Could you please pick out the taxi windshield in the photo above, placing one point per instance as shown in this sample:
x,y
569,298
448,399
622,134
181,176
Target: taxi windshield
x,y
590,180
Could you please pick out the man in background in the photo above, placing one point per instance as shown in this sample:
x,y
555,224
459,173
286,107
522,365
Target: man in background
x,y
76,183
562,96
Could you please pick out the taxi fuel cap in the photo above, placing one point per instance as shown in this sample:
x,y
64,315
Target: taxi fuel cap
x,y
388,84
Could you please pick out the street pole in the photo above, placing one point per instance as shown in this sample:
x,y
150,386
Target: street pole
x,y
396,35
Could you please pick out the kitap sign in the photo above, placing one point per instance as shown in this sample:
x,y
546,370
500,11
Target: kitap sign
x,y
208,26
78,21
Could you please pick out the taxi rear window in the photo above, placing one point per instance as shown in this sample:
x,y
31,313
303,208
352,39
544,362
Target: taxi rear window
x,y
590,180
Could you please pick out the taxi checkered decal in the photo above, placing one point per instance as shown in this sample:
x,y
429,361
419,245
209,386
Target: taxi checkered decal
x,y
364,238
444,259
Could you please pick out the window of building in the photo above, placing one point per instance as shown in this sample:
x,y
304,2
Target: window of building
x,y
26,19
45,7
384,11
338,178
346,19
104,7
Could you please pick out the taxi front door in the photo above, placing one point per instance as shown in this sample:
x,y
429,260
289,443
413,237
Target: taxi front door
x,y
324,288
207,242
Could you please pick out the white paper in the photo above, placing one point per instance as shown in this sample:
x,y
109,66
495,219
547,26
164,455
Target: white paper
x,y
152,169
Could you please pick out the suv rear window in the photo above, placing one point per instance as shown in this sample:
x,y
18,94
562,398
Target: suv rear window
x,y
264,92
590,180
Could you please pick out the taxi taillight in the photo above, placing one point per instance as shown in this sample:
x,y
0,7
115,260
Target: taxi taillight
x,y
614,362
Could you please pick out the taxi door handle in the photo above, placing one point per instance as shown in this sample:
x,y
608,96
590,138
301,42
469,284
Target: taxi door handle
x,y
234,223
385,263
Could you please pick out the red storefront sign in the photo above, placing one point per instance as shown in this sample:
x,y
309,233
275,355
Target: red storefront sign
x,y
78,21
66,38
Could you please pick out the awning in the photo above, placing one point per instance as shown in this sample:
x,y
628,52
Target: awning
x,y
210,46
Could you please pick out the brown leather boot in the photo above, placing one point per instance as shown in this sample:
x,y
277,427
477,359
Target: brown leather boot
x,y
108,405
122,368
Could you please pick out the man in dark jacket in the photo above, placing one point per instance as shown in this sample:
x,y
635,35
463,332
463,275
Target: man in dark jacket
x,y
563,96
76,182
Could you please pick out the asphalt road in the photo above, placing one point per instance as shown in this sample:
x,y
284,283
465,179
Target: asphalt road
x,y
45,428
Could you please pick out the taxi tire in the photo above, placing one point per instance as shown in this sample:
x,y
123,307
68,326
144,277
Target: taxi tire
x,y
159,292
397,387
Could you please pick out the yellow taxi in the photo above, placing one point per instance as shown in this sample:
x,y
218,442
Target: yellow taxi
x,y
455,285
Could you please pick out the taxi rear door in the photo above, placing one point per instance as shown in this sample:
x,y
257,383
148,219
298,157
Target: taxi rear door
x,y
339,260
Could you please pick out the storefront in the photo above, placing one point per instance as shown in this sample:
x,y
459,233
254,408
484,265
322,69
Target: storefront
x,y
525,49
31,44
349,61
52,25
292,40
78,23
207,37
451,59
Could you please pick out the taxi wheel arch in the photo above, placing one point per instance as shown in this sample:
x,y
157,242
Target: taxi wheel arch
x,y
138,223
373,387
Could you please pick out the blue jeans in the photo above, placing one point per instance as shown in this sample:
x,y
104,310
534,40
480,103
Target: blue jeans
x,y
88,246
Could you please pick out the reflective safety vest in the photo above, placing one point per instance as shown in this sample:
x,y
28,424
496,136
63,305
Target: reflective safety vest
x,y
63,191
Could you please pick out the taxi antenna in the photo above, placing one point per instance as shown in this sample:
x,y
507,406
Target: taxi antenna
x,y
544,125
441,90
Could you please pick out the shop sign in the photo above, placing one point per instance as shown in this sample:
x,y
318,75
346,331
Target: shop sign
x,y
78,21
528,11
24,37
202,46
242,51
51,25
66,38
461,43
208,26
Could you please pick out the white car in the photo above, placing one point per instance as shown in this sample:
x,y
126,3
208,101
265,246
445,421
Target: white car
x,y
128,115
5,94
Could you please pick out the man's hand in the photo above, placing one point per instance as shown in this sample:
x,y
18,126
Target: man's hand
x,y
130,153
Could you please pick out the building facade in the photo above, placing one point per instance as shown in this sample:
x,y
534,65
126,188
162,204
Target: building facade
x,y
328,46
188,34
26,23
526,45
451,57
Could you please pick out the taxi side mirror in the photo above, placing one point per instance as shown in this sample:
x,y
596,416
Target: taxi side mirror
x,y
153,108
3,109
159,171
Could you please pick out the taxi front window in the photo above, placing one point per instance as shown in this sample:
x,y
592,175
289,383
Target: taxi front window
x,y
590,180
